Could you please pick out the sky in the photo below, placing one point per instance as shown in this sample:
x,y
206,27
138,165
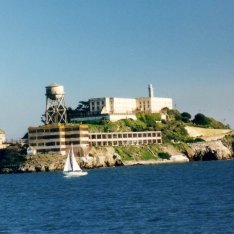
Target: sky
x,y
97,48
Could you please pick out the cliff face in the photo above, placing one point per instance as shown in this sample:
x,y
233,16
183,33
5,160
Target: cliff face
x,y
212,150
105,157
101,157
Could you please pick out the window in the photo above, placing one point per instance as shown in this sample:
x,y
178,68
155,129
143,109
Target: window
x,y
50,143
54,130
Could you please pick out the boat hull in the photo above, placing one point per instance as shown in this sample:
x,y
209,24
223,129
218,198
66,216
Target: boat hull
x,y
75,173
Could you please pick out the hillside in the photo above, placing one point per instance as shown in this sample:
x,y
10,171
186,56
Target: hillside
x,y
183,140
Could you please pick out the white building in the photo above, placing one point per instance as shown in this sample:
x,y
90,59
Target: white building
x,y
112,105
152,104
2,137
113,108
125,138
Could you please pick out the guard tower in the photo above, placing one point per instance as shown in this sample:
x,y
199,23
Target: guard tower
x,y
55,105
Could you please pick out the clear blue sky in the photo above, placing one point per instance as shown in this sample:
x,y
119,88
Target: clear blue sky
x,y
96,48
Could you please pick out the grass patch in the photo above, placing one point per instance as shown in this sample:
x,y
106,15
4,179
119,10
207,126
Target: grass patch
x,y
123,153
146,155
128,153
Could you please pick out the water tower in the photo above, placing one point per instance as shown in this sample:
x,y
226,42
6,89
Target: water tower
x,y
55,105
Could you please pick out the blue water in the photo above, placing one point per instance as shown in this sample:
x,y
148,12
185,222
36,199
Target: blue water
x,y
180,198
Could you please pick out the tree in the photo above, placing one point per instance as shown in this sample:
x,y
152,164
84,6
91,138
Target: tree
x,y
83,106
174,114
201,119
185,117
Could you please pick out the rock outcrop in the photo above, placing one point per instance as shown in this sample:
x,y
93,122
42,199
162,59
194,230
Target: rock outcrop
x,y
43,162
107,157
212,150
103,157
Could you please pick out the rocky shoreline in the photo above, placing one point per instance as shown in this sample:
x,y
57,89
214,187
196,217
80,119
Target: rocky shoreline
x,y
107,157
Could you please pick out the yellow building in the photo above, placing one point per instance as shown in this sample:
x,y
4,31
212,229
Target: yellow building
x,y
56,138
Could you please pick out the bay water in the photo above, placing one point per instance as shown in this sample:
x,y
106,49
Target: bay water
x,y
193,197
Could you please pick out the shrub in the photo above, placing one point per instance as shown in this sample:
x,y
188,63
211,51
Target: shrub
x,y
164,155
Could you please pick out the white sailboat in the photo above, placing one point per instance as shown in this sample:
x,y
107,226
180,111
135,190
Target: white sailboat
x,y
71,167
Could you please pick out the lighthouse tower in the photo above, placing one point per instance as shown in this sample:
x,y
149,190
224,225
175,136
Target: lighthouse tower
x,y
151,91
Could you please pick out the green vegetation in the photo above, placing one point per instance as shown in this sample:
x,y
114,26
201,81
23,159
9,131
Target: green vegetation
x,y
228,141
137,153
123,152
12,157
143,152
203,121
173,128
164,155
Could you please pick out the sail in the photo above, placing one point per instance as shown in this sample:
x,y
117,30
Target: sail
x,y
75,165
68,165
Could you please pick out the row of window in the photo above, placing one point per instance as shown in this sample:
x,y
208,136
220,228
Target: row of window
x,y
67,129
129,135
57,143
43,130
119,143
98,103
48,137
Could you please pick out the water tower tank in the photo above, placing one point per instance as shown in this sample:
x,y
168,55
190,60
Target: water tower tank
x,y
54,91
56,111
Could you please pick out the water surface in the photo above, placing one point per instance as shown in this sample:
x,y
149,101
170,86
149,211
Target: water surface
x,y
180,198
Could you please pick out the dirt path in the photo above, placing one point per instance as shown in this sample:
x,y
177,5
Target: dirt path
x,y
208,134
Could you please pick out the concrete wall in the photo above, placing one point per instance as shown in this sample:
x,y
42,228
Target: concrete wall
x,y
2,137
159,103
124,105
125,138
